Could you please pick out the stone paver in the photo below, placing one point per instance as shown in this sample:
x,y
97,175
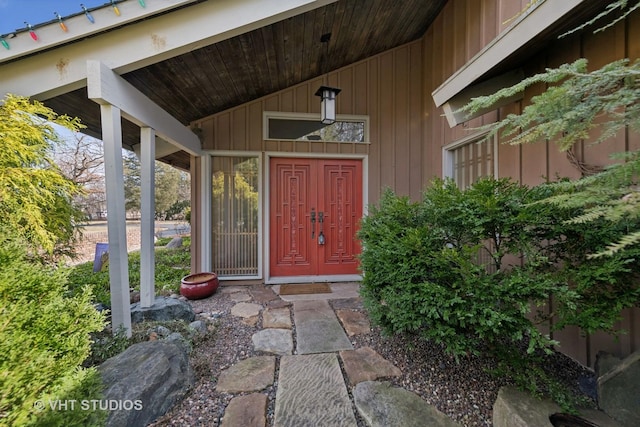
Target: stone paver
x,y
262,294
382,405
276,341
311,392
246,309
354,322
278,303
246,411
279,318
365,364
318,329
240,296
252,374
348,303
232,289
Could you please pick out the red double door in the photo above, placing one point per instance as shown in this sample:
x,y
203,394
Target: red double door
x,y
315,207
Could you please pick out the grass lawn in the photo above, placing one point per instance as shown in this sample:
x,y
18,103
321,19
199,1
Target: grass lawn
x,y
170,267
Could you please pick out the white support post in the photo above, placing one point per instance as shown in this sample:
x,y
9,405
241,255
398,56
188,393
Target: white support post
x,y
205,212
117,223
147,211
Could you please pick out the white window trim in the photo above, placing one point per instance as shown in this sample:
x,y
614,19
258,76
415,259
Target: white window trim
x,y
447,152
266,115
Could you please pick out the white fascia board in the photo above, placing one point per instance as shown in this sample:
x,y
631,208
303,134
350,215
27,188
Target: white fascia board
x,y
452,107
79,26
524,29
107,88
60,70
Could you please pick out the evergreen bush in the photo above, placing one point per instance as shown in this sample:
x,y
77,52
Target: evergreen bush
x,y
44,338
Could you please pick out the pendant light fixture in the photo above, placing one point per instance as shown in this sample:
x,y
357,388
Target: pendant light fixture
x,y
327,93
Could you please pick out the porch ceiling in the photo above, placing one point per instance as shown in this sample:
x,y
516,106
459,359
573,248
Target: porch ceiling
x,y
231,72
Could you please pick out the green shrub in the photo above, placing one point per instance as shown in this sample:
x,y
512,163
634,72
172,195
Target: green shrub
x,y
423,274
170,267
44,337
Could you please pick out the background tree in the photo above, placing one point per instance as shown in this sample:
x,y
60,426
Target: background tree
x,y
172,188
81,160
36,199
132,181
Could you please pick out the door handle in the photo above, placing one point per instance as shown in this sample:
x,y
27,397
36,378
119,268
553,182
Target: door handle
x,y
313,223
321,238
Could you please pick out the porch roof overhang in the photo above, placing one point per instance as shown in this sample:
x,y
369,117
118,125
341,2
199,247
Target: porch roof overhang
x,y
194,58
496,66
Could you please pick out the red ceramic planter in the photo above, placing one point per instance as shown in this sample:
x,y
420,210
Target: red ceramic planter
x,y
199,285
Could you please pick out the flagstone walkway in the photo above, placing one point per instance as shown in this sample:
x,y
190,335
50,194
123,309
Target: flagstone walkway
x,y
321,379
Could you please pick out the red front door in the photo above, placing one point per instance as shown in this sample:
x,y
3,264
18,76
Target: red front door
x,y
315,207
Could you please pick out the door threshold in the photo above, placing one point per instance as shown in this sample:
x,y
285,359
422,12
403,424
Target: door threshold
x,y
313,279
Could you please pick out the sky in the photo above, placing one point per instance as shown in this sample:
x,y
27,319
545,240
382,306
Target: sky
x,y
13,13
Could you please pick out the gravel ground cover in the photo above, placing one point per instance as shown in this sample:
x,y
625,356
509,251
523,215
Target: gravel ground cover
x,y
464,391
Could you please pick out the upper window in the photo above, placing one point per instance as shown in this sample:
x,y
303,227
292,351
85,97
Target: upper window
x,y
470,159
307,127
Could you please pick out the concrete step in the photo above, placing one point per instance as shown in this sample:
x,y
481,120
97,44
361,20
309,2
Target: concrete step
x,y
312,392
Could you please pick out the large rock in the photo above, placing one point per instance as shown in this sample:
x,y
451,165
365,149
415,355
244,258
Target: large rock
x,y
382,405
163,309
619,391
515,408
150,377
175,243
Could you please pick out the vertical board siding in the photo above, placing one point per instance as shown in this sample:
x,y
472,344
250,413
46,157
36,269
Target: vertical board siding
x,y
386,87
407,132
468,27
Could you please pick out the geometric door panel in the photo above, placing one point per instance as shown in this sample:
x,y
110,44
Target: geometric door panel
x,y
316,205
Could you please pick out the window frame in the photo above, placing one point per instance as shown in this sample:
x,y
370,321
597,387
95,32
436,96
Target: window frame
x,y
448,166
267,115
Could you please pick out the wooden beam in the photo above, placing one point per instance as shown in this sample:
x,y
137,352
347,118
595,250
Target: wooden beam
x,y
528,26
117,224
63,69
106,87
147,212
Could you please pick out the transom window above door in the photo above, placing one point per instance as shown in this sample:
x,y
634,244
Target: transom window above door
x,y
307,127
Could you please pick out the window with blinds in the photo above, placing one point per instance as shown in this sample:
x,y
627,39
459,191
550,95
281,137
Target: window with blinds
x,y
235,216
470,159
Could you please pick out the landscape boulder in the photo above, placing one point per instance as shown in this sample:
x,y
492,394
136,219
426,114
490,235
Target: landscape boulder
x,y
175,243
163,309
144,382
619,391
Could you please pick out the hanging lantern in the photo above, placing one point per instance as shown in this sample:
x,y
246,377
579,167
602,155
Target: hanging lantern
x,y
327,104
